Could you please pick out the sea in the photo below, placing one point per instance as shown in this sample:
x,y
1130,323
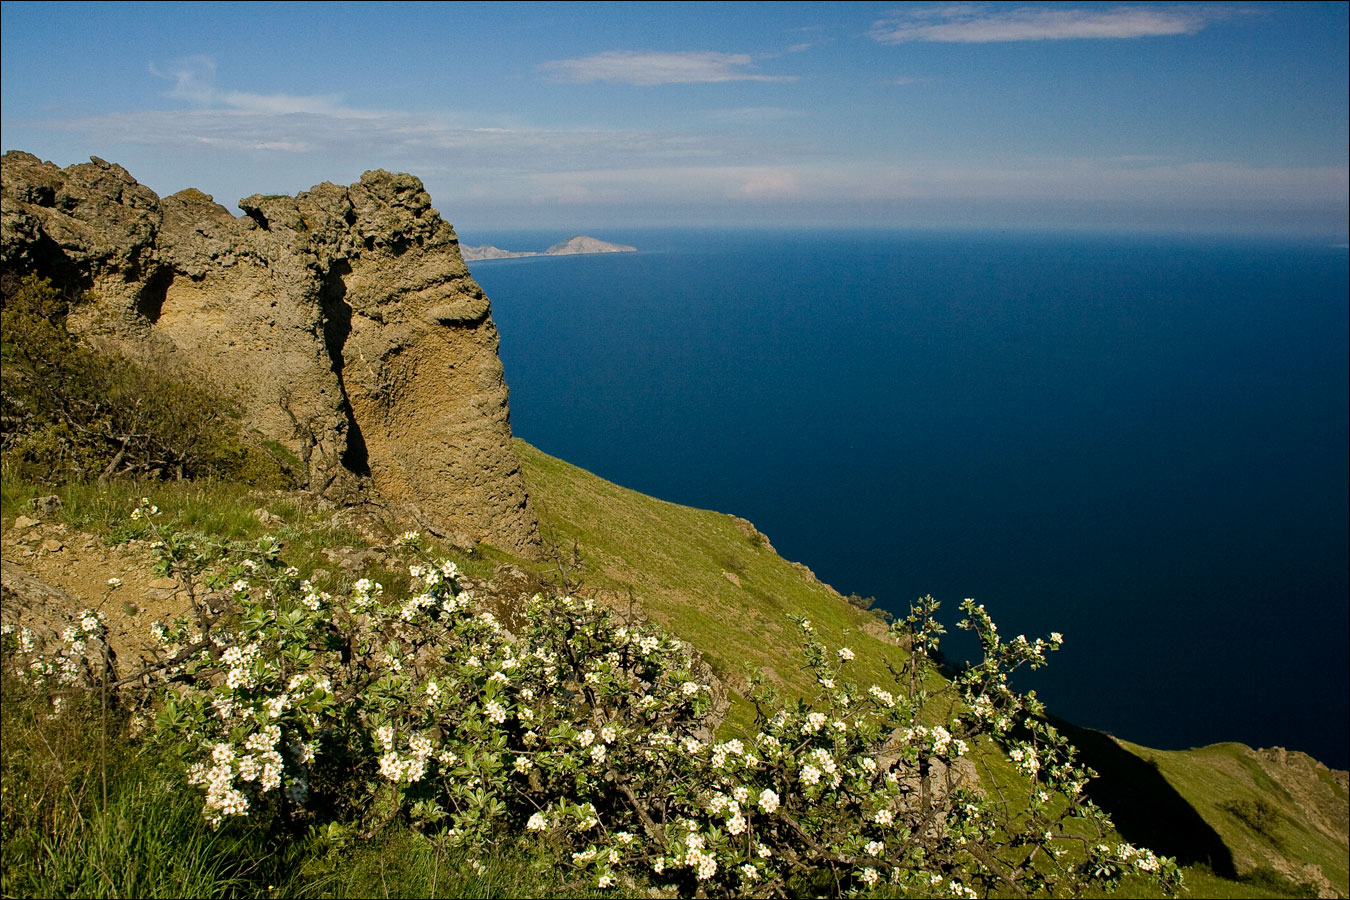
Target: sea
x,y
1139,442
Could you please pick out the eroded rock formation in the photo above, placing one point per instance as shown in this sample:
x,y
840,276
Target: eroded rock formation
x,y
343,321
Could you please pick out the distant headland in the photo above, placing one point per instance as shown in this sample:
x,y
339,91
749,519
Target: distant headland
x,y
573,246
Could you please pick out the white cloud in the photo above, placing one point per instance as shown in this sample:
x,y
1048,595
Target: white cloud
x,y
669,184
194,79
244,134
978,24
283,104
417,141
1085,183
1128,181
763,184
646,69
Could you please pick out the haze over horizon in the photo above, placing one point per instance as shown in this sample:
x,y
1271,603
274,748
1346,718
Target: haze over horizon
x,y
1223,118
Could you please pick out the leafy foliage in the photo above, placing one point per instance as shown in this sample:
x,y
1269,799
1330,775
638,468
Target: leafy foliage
x,y
350,714
1258,815
71,412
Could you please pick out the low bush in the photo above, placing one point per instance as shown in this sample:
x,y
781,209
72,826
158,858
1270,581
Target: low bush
x,y
348,717
1258,815
70,412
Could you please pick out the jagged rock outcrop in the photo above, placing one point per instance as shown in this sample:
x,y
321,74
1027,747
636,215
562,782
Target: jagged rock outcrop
x,y
343,322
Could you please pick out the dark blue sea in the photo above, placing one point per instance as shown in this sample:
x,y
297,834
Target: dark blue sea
x,y
1138,442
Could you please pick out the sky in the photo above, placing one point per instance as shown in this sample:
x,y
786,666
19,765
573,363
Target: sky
x,y
1224,118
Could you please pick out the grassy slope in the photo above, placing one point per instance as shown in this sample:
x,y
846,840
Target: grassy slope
x,y
673,558
1306,806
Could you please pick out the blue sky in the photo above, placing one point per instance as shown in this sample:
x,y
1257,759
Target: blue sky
x,y
1194,117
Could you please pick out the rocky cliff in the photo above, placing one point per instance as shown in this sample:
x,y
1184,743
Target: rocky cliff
x,y
342,321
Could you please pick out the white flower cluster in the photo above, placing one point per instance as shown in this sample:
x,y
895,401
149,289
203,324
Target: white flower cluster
x,y
312,599
882,697
601,721
69,664
1025,758
242,662
222,797
703,864
402,769
721,752
144,510
937,740
366,594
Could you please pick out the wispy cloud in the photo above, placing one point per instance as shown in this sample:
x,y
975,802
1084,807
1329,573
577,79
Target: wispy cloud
x,y
223,120
904,81
194,80
418,141
1103,185
646,69
319,136
980,24
671,184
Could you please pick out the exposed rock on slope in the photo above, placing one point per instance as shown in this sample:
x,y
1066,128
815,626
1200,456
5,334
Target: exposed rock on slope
x,y
343,321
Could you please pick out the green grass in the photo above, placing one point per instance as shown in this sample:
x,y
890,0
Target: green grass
x,y
1222,781
674,561
87,812
403,863
85,815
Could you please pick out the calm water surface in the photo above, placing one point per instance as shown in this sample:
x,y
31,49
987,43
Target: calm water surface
x,y
1139,443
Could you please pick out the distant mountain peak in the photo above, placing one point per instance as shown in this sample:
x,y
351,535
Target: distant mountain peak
x,y
581,243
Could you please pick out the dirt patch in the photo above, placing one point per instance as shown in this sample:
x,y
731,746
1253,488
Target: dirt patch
x,y
78,565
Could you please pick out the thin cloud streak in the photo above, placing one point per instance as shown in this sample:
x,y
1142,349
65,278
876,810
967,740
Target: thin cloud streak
x,y
194,79
581,166
649,169
399,138
641,69
978,24
1105,184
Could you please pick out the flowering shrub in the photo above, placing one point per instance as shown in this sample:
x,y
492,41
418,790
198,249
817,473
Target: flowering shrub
x,y
593,734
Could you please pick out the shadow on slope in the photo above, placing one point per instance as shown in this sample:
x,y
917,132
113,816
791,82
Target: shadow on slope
x,y
1146,810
